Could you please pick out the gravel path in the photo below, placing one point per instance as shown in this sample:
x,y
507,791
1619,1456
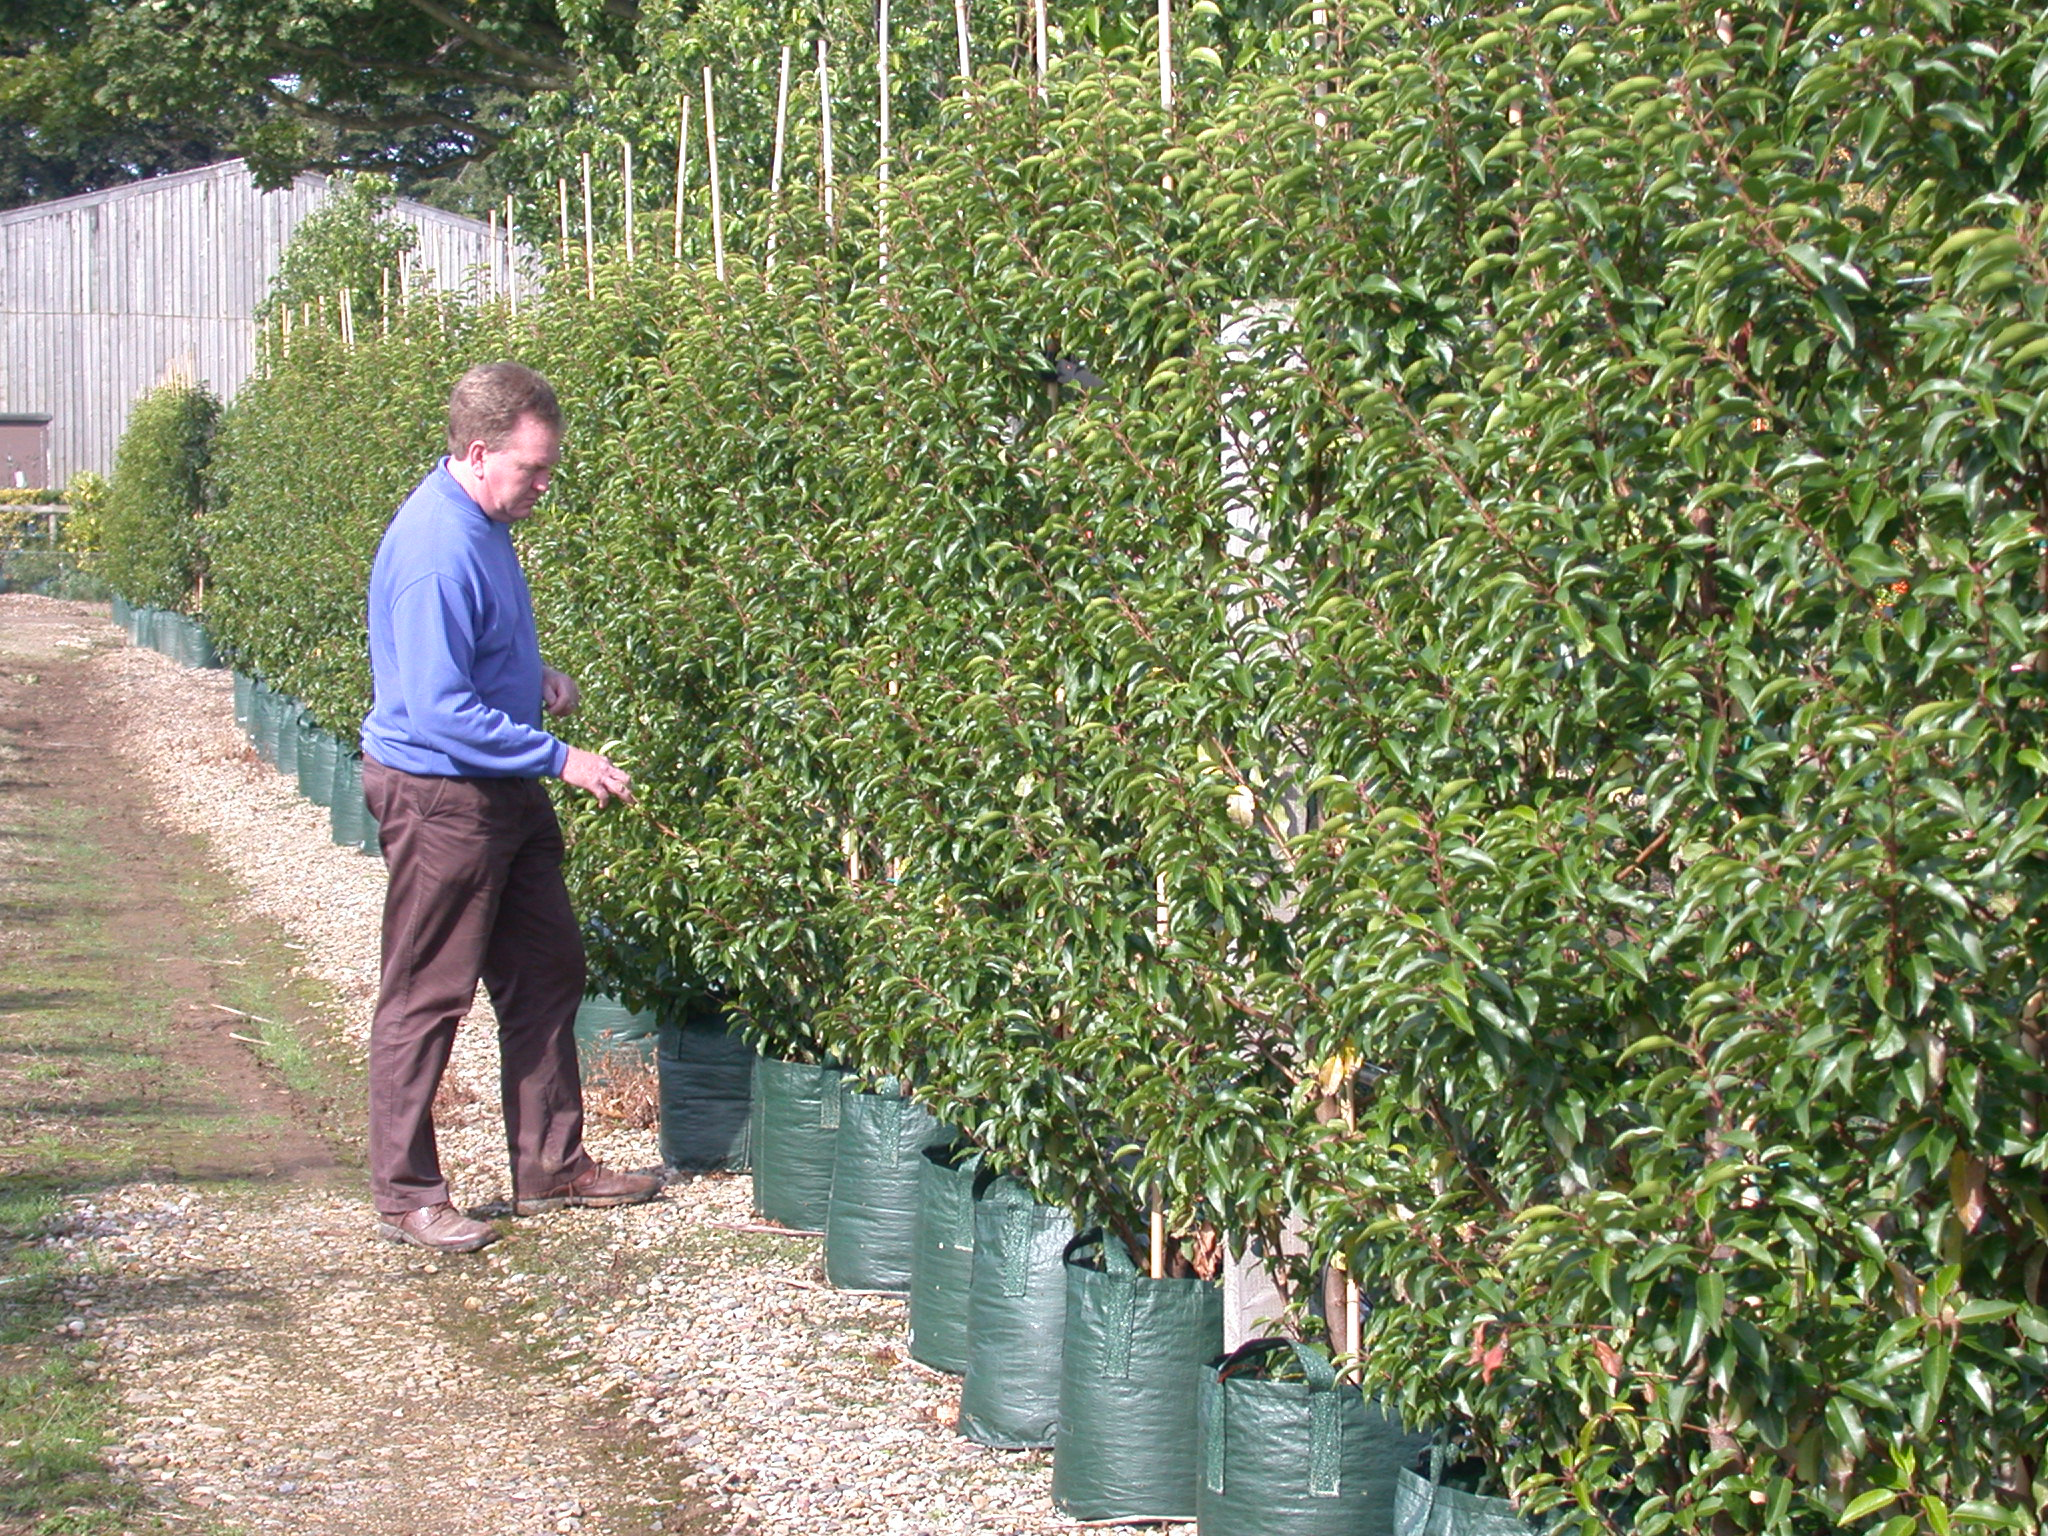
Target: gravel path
x,y
291,1373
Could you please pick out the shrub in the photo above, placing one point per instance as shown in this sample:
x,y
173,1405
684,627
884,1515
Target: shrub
x,y
150,523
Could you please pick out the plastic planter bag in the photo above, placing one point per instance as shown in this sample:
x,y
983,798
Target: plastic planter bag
x,y
1135,1352
347,813
317,752
270,708
1295,1458
288,719
1425,1507
796,1127
871,1220
245,702
942,1263
1016,1315
707,1090
606,1029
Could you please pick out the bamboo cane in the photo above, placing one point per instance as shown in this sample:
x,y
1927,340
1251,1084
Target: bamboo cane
x,y
491,281
511,258
711,165
775,169
1041,46
384,299
626,192
1158,1267
345,316
1166,55
825,136
589,236
882,164
960,36
682,165
562,190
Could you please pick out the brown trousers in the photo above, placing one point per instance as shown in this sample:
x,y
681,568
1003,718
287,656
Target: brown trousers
x,y
476,893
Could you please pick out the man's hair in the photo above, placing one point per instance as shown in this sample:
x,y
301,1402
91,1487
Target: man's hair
x,y
490,401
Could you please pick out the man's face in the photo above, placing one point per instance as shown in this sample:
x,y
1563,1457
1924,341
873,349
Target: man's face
x,y
511,478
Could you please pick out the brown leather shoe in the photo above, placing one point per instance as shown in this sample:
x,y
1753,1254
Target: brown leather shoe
x,y
439,1227
596,1185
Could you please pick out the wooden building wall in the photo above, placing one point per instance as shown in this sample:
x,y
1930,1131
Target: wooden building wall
x,y
104,296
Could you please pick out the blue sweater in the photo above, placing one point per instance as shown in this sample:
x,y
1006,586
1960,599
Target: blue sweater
x,y
453,654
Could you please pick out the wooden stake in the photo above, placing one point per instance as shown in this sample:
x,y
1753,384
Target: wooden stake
x,y
384,299
1162,914
589,236
825,135
711,166
960,35
882,165
1039,27
511,258
851,842
1351,1317
626,192
775,169
492,280
562,187
345,312
1158,1236
682,165
1166,55
284,329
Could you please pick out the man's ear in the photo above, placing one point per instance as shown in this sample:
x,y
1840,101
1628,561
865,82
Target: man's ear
x,y
473,455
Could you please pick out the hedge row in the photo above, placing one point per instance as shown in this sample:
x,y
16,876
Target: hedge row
x,y
1504,731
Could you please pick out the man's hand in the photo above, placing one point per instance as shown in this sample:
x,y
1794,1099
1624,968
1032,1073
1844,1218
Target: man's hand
x,y
586,770
559,694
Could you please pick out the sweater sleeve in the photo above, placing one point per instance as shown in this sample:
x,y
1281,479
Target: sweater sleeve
x,y
431,629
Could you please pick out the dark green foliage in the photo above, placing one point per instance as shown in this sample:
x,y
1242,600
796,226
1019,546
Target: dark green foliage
x,y
1539,638
149,526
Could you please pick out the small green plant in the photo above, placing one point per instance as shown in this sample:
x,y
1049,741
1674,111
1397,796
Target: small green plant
x,y
149,520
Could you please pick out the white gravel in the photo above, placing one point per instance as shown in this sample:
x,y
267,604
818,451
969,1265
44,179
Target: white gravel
x,y
790,1407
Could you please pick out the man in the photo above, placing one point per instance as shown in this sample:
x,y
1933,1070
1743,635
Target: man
x,y
453,755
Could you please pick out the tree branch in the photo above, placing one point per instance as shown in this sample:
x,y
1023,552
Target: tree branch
x,y
429,70
481,38
364,122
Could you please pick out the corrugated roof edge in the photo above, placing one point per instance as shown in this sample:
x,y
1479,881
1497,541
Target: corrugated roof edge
x,y
221,170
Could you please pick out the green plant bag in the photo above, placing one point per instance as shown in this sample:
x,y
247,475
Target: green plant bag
x,y
290,716
1423,1506
706,1078
871,1220
942,1263
317,751
1295,1458
1131,1366
1016,1316
270,706
607,1028
796,1128
123,613
245,702
347,812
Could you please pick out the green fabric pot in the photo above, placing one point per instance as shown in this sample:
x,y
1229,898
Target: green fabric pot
x,y
1424,1507
203,655
346,812
707,1077
289,717
1295,1458
942,1262
871,1219
606,1029
123,611
245,702
269,708
1132,1361
1016,1316
317,752
796,1129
